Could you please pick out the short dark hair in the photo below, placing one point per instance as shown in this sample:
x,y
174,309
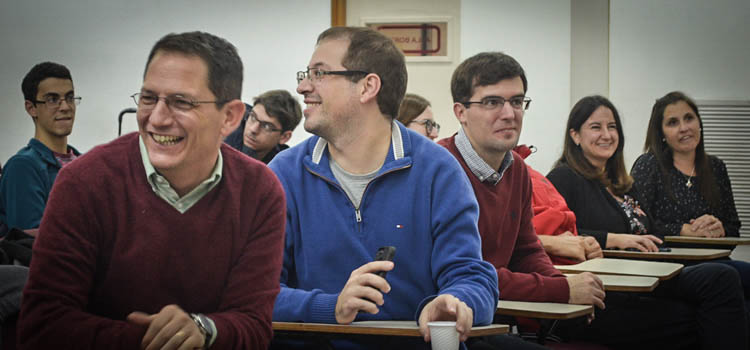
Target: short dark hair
x,y
373,52
411,107
615,176
281,105
41,71
484,69
657,145
221,58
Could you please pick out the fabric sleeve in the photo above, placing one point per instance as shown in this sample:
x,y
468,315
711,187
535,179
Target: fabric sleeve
x,y
60,280
569,185
293,304
457,264
23,194
647,189
530,275
243,320
727,212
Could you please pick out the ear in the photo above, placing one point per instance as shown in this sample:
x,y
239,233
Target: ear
x,y
459,110
233,112
285,136
30,109
369,88
575,136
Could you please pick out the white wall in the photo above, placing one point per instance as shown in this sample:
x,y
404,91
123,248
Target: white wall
x,y
537,34
698,47
428,79
105,45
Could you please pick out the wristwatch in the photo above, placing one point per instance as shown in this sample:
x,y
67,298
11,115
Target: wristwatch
x,y
204,326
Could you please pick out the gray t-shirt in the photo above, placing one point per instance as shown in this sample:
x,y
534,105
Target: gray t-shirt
x,y
354,185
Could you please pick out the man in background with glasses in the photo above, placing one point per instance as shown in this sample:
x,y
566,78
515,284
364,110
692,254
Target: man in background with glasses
x,y
28,175
363,182
267,125
164,238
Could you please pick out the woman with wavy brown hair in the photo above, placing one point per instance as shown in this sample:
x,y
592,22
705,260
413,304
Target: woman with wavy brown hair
x,y
592,178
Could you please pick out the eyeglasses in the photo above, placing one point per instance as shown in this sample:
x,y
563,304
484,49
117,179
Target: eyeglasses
x,y
178,102
265,126
492,102
54,101
316,74
428,125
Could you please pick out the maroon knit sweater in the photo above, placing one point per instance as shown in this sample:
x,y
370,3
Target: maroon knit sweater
x,y
108,246
524,271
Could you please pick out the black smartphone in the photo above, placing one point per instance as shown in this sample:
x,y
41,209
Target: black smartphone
x,y
385,253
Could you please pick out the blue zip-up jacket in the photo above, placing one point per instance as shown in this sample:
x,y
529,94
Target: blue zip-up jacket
x,y
26,183
420,202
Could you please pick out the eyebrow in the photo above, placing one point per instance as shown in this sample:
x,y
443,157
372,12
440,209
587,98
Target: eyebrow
x,y
56,94
496,96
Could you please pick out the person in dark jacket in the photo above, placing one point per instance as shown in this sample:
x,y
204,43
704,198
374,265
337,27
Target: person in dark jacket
x,y
28,176
267,125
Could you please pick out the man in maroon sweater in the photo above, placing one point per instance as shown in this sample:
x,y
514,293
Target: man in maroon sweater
x,y
489,101
165,238
489,94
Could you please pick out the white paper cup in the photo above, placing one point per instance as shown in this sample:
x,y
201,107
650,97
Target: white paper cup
x,y
443,335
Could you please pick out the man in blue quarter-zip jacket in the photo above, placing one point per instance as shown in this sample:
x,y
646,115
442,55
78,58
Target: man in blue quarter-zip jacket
x,y
365,181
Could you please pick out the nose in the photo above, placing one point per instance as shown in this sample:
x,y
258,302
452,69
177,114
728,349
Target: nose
x,y
64,105
160,115
506,111
304,86
253,126
433,133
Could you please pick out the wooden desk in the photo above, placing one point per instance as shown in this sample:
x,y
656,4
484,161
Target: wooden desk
x,y
706,240
675,254
551,311
620,283
379,328
606,266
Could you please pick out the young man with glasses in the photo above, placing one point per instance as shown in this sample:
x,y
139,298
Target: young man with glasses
x,y
28,175
267,125
364,182
164,238
700,306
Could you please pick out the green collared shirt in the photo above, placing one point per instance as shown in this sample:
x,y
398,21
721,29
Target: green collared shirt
x,y
163,189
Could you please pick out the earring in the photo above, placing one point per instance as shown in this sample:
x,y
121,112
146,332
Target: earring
x,y
663,140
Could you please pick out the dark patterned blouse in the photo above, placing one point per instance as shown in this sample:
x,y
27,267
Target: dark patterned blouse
x,y
668,213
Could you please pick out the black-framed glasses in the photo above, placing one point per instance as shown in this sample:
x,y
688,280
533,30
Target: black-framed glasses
x,y
178,102
53,101
265,126
429,125
316,74
492,102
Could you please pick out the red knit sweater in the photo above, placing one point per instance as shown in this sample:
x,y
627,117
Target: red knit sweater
x,y
108,246
524,271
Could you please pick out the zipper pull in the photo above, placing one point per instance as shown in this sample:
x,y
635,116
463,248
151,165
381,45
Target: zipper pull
x,y
359,217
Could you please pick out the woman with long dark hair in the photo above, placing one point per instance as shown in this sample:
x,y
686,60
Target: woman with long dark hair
x,y
685,190
592,177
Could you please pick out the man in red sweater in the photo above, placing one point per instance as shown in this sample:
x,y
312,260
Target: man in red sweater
x,y
489,101
165,238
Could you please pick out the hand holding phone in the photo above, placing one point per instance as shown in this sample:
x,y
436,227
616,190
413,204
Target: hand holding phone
x,y
385,253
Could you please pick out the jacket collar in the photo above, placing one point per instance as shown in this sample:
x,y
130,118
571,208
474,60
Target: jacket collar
x,y
398,154
45,153
397,145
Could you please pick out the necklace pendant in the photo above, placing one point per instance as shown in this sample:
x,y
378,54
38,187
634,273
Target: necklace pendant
x,y
689,183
